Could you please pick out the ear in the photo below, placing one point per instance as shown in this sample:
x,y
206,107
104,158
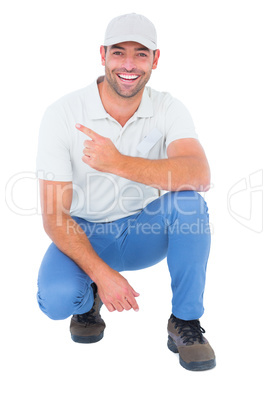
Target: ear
x,y
102,53
156,58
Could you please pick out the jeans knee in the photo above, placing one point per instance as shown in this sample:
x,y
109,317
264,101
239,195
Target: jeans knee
x,y
182,204
59,303
186,203
56,305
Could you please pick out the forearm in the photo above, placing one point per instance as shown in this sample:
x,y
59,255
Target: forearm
x,y
114,290
172,174
69,237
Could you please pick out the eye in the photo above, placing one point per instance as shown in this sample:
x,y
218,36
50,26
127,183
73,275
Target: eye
x,y
142,55
117,53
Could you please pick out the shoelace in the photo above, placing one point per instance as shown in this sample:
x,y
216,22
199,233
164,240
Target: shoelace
x,y
190,331
87,318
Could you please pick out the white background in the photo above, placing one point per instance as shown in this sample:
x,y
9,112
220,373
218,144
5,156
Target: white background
x,y
214,59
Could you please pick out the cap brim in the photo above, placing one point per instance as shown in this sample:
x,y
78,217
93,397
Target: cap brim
x,y
130,38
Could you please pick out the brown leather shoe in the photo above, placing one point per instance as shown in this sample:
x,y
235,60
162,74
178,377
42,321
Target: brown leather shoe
x,y
88,327
186,338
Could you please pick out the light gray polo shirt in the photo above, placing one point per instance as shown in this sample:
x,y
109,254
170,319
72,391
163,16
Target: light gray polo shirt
x,y
98,196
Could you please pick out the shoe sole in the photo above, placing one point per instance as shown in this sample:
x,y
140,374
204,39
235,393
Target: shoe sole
x,y
193,366
87,339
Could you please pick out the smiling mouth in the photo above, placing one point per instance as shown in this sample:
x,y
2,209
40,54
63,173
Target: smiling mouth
x,y
128,77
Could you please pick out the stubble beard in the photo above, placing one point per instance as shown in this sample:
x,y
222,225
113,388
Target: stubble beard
x,y
124,93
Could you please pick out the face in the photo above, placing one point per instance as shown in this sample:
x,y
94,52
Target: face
x,y
128,67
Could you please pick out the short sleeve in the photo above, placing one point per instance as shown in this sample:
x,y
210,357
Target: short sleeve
x,y
53,154
179,123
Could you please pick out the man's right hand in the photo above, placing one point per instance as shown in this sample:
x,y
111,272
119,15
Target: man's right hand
x,y
115,291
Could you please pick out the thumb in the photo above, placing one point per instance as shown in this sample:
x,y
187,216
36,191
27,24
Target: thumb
x,y
135,294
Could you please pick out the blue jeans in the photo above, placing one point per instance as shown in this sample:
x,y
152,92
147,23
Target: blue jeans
x,y
176,226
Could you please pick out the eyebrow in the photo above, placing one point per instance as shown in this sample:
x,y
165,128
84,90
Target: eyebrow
x,y
143,49
140,49
117,47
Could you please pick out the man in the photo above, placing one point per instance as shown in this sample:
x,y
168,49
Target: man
x,y
105,153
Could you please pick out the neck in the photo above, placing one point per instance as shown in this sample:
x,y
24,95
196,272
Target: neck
x,y
120,108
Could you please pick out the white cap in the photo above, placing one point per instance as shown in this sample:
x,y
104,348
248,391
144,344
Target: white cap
x,y
131,27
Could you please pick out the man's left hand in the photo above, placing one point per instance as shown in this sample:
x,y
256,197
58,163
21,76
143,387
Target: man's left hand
x,y
99,152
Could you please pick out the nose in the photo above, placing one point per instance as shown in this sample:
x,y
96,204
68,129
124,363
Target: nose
x,y
129,63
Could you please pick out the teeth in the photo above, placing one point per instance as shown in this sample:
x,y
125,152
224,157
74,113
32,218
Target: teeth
x,y
128,77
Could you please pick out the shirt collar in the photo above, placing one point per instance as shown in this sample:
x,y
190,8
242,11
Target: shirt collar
x,y
96,110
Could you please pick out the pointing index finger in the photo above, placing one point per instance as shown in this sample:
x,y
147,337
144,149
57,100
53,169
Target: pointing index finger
x,y
90,133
